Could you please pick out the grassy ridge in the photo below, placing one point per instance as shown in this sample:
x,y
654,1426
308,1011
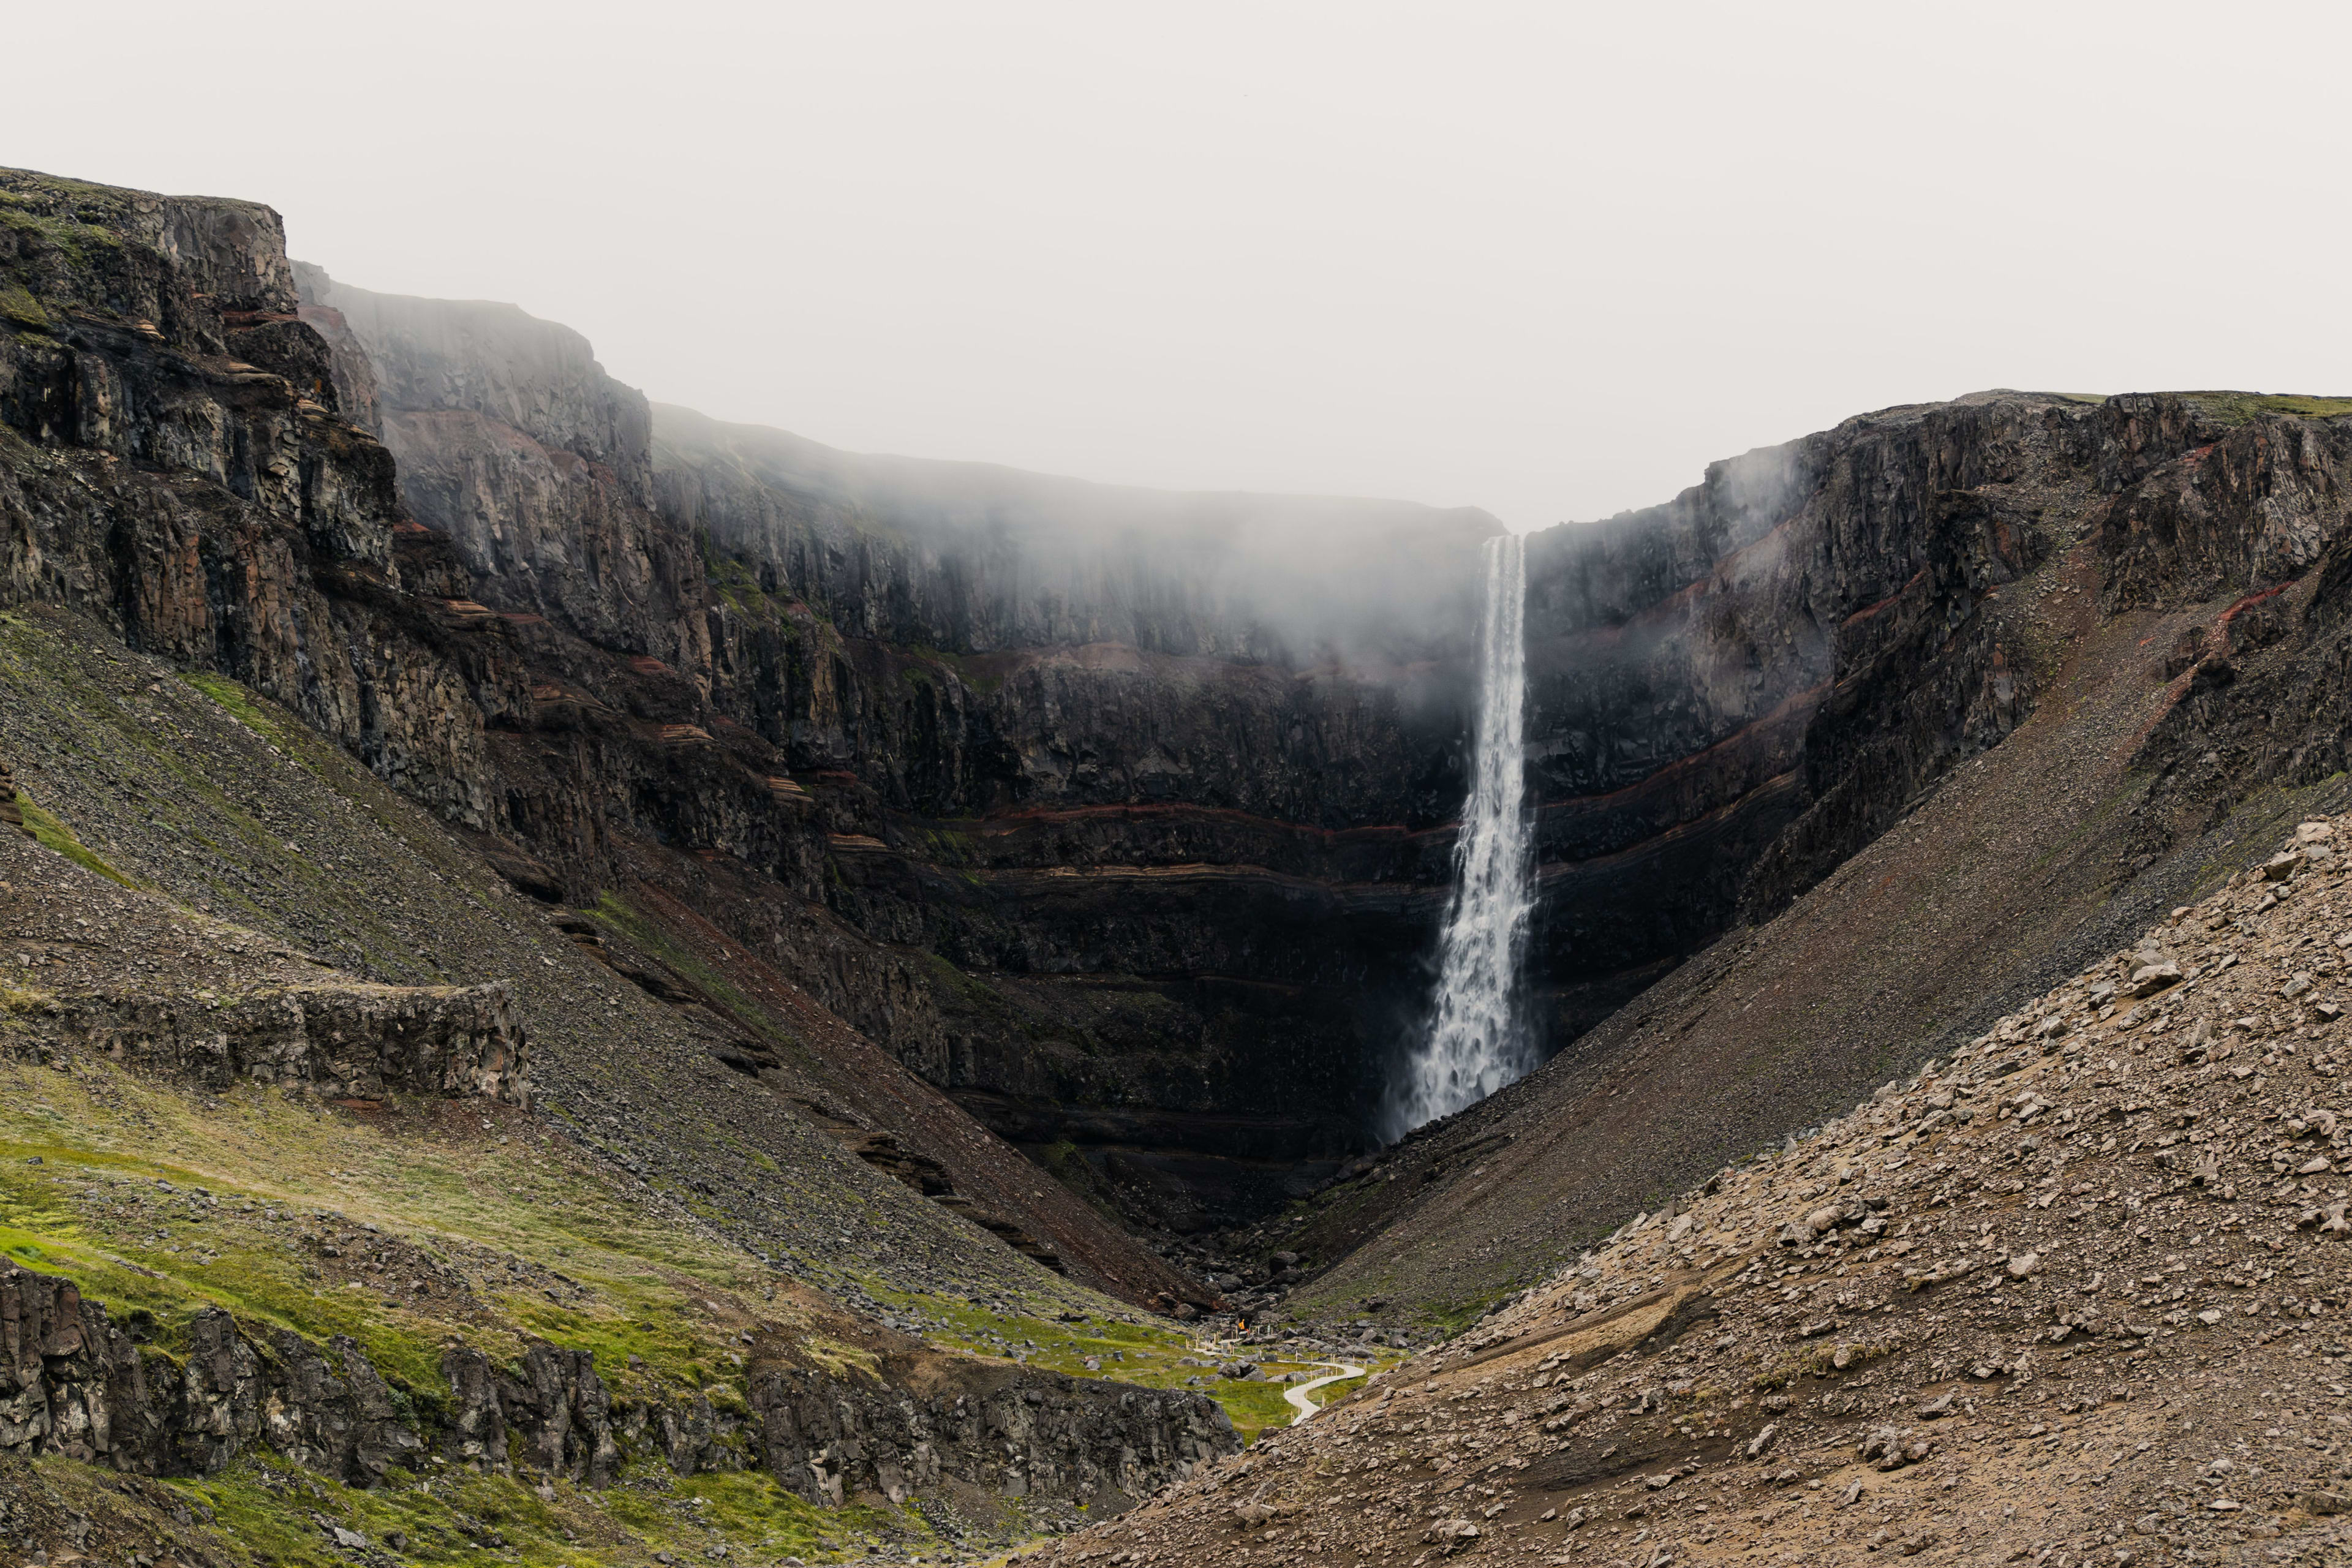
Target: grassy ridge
x,y
158,1204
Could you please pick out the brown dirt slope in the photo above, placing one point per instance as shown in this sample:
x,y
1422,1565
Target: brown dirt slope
x,y
2074,1293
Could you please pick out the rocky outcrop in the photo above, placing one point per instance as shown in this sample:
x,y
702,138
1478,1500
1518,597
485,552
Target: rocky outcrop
x,y
11,814
2247,519
336,1417
346,1039
1731,693
512,441
74,1383
176,469
70,1382
1008,1433
557,1409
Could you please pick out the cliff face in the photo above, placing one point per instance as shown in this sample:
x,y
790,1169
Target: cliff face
x,y
173,469
2006,679
1732,694
1735,692
922,1425
511,440
1125,761
896,704
176,468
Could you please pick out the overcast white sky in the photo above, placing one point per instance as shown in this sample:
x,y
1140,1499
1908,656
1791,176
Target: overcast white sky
x,y
1545,259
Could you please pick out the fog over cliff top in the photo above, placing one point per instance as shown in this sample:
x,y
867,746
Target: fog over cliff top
x,y
1546,260
1028,558
1342,574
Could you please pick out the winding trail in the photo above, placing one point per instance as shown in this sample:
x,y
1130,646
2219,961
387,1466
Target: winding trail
x,y
1298,1398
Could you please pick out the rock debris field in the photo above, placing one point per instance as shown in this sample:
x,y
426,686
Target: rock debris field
x,y
2074,1295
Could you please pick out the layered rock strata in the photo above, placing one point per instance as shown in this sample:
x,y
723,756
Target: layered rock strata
x,y
1730,695
918,695
176,468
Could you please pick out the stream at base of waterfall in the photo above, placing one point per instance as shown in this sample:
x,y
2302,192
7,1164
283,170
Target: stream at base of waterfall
x,y
1477,1040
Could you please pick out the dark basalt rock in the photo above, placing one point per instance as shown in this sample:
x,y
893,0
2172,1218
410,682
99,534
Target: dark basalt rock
x,y
919,728
2251,513
71,1382
1731,693
2191,596
1191,886
340,1418
1013,1434
171,465
559,1409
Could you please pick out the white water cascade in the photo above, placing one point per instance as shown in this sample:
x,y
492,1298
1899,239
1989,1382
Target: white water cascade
x,y
1476,1041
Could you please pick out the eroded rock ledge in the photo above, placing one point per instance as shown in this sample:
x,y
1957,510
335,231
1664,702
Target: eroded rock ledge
x,y
351,1039
73,1381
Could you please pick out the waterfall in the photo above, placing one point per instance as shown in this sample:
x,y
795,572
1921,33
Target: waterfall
x,y
1477,1042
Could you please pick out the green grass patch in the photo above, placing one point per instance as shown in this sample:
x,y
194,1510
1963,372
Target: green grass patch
x,y
50,830
92,1213
2238,407
548,1245
21,998
1332,1393
19,307
1821,1361
455,1515
1066,1164
72,239
240,701
734,581
1145,1353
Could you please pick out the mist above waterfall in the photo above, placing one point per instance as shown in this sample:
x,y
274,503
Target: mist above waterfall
x,y
1293,580
1477,1040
